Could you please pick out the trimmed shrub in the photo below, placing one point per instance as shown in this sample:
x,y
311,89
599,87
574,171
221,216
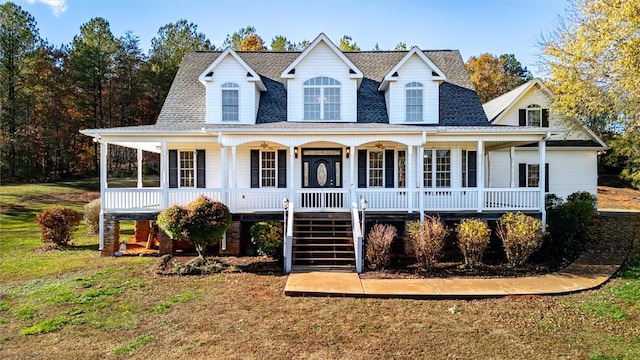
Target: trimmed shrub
x,y
268,237
428,239
568,223
92,215
521,236
203,222
58,224
583,205
473,239
378,248
207,221
173,221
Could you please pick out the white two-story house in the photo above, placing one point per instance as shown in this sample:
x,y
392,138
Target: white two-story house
x,y
322,134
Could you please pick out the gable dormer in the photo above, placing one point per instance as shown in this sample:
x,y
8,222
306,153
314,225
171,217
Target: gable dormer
x,y
411,90
322,84
232,90
531,104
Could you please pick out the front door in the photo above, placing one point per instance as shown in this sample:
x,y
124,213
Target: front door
x,y
322,169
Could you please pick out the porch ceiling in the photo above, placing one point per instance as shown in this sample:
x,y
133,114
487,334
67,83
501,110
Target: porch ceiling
x,y
152,146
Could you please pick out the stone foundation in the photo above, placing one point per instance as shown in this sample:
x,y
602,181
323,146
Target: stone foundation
x,y
111,236
233,240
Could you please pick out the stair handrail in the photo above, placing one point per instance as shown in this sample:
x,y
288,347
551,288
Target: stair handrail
x,y
357,236
288,239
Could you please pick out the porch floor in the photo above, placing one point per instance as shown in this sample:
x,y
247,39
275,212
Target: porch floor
x,y
589,271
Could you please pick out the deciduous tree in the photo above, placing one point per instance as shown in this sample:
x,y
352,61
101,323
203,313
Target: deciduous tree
x,y
346,44
594,66
493,76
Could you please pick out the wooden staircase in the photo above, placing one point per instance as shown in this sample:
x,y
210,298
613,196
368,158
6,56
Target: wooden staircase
x,y
323,241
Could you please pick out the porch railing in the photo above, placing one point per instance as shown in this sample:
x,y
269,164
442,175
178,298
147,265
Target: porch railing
x,y
145,199
357,236
251,200
323,199
386,199
511,199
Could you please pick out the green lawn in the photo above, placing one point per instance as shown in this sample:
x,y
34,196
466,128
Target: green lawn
x,y
75,304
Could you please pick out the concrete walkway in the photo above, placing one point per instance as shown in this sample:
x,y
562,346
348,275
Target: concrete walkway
x,y
589,271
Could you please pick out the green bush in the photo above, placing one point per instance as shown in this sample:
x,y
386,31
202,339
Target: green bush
x,y
583,205
473,239
58,224
92,215
268,237
207,222
428,239
378,248
521,236
173,221
568,223
203,222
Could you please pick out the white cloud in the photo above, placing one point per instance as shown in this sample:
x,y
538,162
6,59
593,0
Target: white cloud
x,y
57,6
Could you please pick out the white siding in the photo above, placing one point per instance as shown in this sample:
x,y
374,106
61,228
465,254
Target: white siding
x,y
537,96
229,70
569,170
414,69
212,157
322,61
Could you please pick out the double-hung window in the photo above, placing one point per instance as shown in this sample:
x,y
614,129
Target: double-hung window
x,y
187,169
534,115
529,176
268,169
322,99
437,168
230,101
414,101
376,168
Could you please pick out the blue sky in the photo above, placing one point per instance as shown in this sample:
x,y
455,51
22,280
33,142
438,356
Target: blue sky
x,y
471,26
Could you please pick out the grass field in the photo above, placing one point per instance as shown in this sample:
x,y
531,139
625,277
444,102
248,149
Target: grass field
x,y
74,304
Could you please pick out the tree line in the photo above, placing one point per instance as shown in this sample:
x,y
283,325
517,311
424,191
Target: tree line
x,y
100,80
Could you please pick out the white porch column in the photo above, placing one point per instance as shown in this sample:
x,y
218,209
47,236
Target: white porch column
x,y
139,168
421,181
224,171
410,183
164,174
234,182
512,166
291,182
480,170
352,175
542,150
103,187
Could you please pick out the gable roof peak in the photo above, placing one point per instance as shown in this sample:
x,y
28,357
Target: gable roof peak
x,y
252,75
354,72
496,107
438,75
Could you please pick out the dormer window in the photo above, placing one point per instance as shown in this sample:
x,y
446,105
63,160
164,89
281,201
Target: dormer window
x,y
321,99
414,101
230,100
534,115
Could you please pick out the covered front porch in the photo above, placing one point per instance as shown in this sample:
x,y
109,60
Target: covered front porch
x,y
412,173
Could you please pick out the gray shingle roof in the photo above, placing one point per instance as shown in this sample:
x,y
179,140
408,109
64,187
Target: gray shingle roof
x,y
496,106
459,103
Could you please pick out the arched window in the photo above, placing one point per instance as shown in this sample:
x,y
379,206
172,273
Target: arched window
x,y
414,101
321,99
534,115
230,101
